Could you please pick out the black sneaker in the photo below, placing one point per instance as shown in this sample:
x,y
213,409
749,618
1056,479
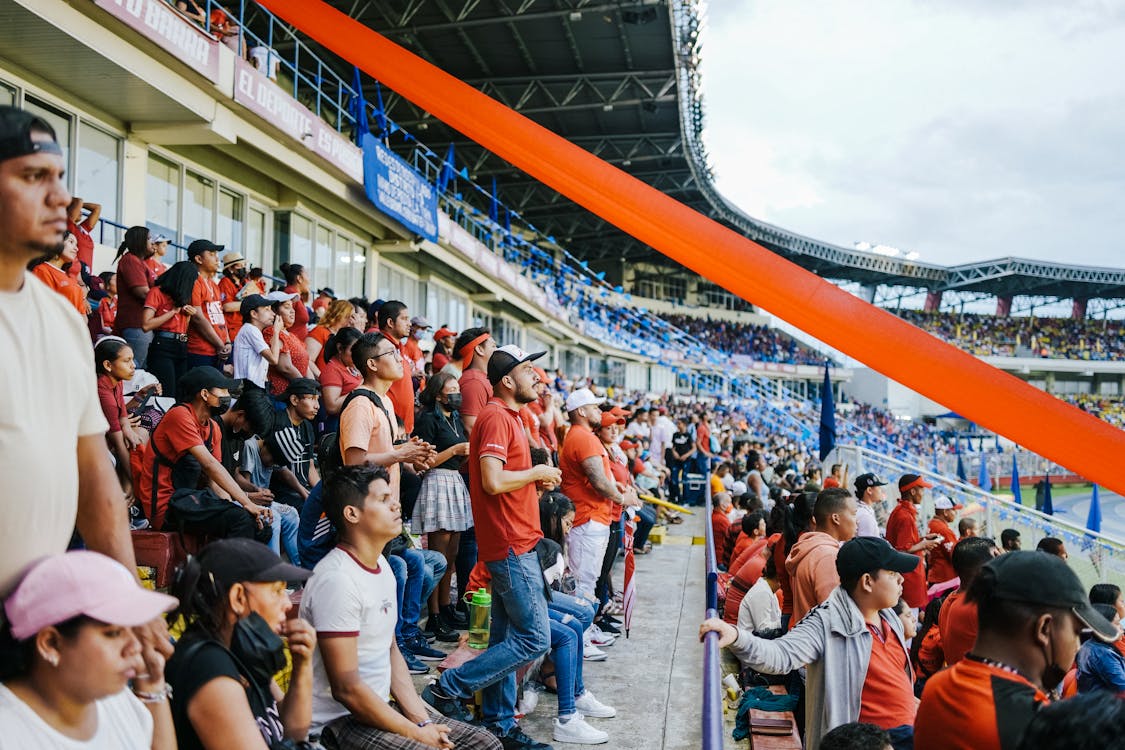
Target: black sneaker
x,y
608,627
412,664
421,649
453,617
439,629
449,707
515,739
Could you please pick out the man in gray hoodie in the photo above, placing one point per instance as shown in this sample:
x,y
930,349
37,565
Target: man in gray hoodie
x,y
852,644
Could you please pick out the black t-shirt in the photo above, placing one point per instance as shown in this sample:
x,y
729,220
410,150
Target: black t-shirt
x,y
205,663
682,442
232,449
298,446
441,431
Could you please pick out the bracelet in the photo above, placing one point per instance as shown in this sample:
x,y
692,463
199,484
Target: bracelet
x,y
160,696
425,723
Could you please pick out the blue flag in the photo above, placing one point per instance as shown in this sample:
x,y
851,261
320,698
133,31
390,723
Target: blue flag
x,y
1048,505
380,110
448,171
984,481
1017,495
494,204
961,469
827,417
1094,519
357,108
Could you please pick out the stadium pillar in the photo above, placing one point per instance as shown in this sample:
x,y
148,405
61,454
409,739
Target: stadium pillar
x,y
1004,306
868,292
993,399
933,301
1078,310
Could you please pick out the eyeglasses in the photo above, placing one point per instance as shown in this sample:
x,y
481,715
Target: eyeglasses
x,y
397,354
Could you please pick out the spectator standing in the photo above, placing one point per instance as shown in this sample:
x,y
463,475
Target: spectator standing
x,y
134,279
812,560
333,318
444,339
231,283
902,533
838,478
67,653
1052,546
1031,610
415,357
967,527
662,430
941,556
252,356
107,308
957,618
167,313
681,453
443,509
504,488
56,456
324,298
869,491
208,340
703,447
82,217
853,646
474,348
1010,540
160,249
223,692
293,359
52,271
393,321
297,282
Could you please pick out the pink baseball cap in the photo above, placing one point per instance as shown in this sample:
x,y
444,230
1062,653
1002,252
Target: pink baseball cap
x,y
60,587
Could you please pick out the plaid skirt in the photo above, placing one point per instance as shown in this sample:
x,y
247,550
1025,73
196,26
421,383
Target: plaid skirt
x,y
345,733
443,503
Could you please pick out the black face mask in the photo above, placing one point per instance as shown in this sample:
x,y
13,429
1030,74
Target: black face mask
x,y
240,273
453,401
260,650
1053,674
221,409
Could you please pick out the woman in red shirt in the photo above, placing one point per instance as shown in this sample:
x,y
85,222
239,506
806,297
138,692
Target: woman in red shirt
x,y
337,316
339,376
293,362
52,272
297,282
167,311
107,308
113,359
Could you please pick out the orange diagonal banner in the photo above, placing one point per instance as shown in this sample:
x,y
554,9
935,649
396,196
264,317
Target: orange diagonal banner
x,y
899,350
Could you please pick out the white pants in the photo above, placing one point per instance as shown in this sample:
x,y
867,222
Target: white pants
x,y
585,550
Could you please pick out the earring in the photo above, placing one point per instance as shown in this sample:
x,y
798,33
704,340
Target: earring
x,y
52,659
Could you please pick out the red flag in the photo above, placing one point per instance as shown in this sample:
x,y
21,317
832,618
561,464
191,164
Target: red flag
x,y
630,595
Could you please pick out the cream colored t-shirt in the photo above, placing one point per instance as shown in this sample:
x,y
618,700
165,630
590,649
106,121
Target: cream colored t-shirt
x,y
48,398
123,724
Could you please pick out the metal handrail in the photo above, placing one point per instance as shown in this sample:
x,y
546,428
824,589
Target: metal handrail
x,y
712,713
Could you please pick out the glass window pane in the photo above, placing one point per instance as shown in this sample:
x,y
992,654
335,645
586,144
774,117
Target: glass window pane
x,y
255,237
7,95
162,197
58,120
96,180
321,274
359,271
229,231
300,240
199,211
341,271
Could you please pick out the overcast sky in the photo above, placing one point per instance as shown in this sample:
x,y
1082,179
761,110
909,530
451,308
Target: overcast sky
x,y
963,130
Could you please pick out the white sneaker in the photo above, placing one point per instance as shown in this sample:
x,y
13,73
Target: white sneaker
x,y
593,653
598,638
588,705
578,732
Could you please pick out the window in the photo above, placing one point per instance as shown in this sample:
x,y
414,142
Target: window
x,y
321,273
229,230
162,196
358,284
256,237
199,212
7,95
98,172
342,265
300,240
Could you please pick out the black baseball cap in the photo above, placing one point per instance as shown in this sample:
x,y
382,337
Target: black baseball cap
x,y
16,126
865,481
231,561
198,247
505,359
251,303
302,387
199,378
867,554
1036,578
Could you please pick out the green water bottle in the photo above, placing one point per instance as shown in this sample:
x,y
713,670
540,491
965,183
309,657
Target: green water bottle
x,y
480,617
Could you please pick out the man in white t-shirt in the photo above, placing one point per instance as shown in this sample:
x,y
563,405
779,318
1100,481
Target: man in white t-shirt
x,y
350,601
252,356
662,429
55,471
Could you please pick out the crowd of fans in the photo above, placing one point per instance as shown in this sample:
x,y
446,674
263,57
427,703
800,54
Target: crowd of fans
x,y
1023,336
303,438
758,342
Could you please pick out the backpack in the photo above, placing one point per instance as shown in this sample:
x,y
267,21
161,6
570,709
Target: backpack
x,y
328,449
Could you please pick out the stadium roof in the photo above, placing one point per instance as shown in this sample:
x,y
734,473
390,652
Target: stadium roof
x,y
620,79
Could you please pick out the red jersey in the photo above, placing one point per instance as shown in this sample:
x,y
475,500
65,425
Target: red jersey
x,y
206,298
228,292
902,533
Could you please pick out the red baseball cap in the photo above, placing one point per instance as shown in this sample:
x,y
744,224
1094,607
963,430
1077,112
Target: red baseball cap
x,y
910,481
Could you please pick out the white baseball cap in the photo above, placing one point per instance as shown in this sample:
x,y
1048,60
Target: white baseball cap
x,y
582,397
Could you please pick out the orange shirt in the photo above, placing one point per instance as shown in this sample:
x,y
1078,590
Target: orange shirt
x,y
531,423
402,391
510,520
902,533
975,706
300,327
107,312
957,622
414,359
297,352
941,556
319,334
581,443
363,425
228,292
160,303
205,297
888,689
475,392
64,284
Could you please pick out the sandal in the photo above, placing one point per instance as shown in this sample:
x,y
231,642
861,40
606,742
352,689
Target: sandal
x,y
547,676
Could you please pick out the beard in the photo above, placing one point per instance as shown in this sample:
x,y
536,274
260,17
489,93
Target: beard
x,y
526,395
44,250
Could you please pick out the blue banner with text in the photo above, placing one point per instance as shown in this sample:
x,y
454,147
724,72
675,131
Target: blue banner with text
x,y
398,190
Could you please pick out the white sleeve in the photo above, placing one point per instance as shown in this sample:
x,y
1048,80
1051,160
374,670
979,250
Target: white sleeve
x,y
335,607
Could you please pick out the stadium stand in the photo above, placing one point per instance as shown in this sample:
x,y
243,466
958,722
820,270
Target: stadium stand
x,y
1047,338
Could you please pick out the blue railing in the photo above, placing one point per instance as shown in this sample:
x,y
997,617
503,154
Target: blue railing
x,y
712,667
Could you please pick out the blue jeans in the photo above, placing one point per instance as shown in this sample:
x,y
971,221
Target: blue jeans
x,y
435,568
410,578
521,632
139,342
583,609
566,652
286,521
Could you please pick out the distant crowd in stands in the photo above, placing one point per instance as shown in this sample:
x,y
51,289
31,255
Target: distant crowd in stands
x,y
1025,336
760,343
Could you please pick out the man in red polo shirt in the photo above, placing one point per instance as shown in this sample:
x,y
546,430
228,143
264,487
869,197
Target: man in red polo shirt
x,y
393,321
902,533
474,348
504,488
957,619
941,558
